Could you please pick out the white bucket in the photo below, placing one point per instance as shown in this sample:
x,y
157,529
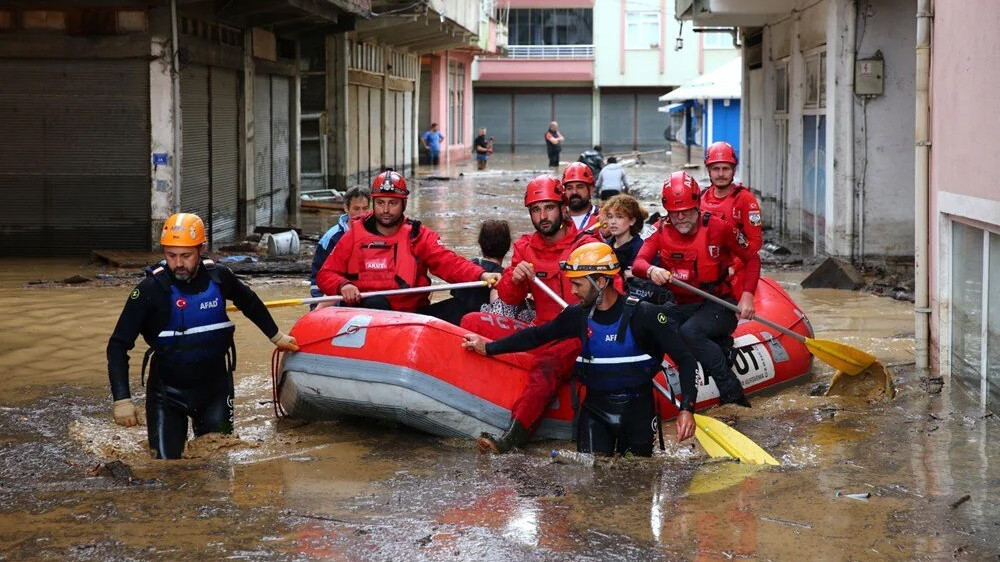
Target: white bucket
x,y
283,244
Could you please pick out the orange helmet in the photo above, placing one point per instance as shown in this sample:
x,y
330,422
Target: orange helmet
x,y
680,192
544,188
183,229
578,171
720,152
594,258
389,184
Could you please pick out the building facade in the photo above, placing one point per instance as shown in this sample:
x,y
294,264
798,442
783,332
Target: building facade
x,y
602,88
831,154
960,238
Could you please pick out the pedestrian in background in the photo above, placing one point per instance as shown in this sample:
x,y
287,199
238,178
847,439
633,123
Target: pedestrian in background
x,y
432,144
483,147
553,143
611,181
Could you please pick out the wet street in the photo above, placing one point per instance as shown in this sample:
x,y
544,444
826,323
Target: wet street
x,y
359,490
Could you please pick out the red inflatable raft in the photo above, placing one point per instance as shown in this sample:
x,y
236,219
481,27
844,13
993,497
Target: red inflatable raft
x,y
412,368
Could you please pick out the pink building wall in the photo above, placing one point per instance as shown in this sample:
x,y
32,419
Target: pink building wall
x,y
536,70
440,104
965,76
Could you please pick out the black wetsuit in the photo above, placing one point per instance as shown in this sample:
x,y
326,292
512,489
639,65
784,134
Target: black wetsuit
x,y
184,381
616,418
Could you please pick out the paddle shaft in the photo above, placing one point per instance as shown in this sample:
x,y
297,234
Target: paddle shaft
x,y
736,309
386,293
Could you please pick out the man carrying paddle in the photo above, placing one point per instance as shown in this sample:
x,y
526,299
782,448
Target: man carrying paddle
x,y
180,310
536,256
697,249
385,250
623,342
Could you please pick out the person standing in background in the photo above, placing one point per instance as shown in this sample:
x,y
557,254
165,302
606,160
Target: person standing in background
x,y
483,147
553,143
432,144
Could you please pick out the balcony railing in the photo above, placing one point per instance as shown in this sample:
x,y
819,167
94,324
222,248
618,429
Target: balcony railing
x,y
564,52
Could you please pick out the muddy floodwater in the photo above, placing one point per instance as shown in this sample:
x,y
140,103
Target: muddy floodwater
x,y
925,465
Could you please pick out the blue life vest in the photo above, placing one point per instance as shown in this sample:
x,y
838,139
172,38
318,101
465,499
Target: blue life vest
x,y
611,359
199,328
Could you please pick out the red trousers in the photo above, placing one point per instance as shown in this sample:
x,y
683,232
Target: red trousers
x,y
552,366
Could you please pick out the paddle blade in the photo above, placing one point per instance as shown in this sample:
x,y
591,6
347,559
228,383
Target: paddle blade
x,y
713,449
733,442
842,357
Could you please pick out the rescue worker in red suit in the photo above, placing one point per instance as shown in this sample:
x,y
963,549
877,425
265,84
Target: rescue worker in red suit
x,y
578,181
697,248
386,250
731,201
536,255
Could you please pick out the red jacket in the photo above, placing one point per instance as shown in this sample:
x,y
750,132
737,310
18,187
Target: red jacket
x,y
373,262
545,257
700,258
741,210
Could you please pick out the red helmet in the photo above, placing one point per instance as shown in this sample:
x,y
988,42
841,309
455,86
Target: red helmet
x,y
680,192
578,171
544,188
720,152
389,184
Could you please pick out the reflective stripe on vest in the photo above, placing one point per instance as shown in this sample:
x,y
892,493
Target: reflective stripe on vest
x,y
199,328
609,365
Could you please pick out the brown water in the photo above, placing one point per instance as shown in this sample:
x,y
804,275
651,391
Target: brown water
x,y
359,490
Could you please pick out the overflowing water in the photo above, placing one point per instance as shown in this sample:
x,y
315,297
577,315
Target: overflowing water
x,y
360,490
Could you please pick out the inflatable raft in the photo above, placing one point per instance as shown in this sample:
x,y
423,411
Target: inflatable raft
x,y
412,369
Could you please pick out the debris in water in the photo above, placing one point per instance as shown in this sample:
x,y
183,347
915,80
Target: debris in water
x,y
785,522
859,496
563,456
961,500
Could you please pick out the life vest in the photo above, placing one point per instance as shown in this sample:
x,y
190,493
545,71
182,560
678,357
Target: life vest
x,y
699,260
611,360
724,208
199,328
380,263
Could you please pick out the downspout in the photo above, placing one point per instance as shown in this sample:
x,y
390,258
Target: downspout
x,y
922,149
175,79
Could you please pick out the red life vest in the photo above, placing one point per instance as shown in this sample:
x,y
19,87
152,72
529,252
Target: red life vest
x,y
385,262
700,260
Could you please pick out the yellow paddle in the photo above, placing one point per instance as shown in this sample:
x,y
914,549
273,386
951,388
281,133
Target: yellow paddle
x,y
717,438
850,360
386,293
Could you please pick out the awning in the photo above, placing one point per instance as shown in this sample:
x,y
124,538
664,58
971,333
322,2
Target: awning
x,y
672,107
724,82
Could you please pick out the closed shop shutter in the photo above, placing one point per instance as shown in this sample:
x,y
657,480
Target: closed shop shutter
x,y
651,122
74,156
225,154
493,111
532,114
262,149
573,113
195,151
280,133
618,122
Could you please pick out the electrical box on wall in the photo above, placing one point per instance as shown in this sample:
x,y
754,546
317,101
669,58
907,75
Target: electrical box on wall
x,y
868,76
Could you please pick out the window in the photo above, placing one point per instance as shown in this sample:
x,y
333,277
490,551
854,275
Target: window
x,y
717,39
781,87
815,81
642,30
456,99
536,26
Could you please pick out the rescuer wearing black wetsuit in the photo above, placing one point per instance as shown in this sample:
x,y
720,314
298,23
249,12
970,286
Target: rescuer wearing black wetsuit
x,y
624,341
180,310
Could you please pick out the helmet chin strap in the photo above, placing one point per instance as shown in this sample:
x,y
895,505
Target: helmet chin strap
x,y
600,295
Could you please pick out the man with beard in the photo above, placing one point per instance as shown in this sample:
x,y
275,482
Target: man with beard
x,y
697,249
180,310
578,179
731,201
623,342
536,255
386,250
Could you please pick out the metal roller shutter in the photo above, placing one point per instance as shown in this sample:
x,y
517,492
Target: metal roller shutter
x,y
225,154
532,114
280,133
262,149
196,150
573,112
651,122
493,111
617,122
74,156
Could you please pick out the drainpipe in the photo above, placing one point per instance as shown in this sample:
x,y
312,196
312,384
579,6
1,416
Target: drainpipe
x,y
922,149
175,79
